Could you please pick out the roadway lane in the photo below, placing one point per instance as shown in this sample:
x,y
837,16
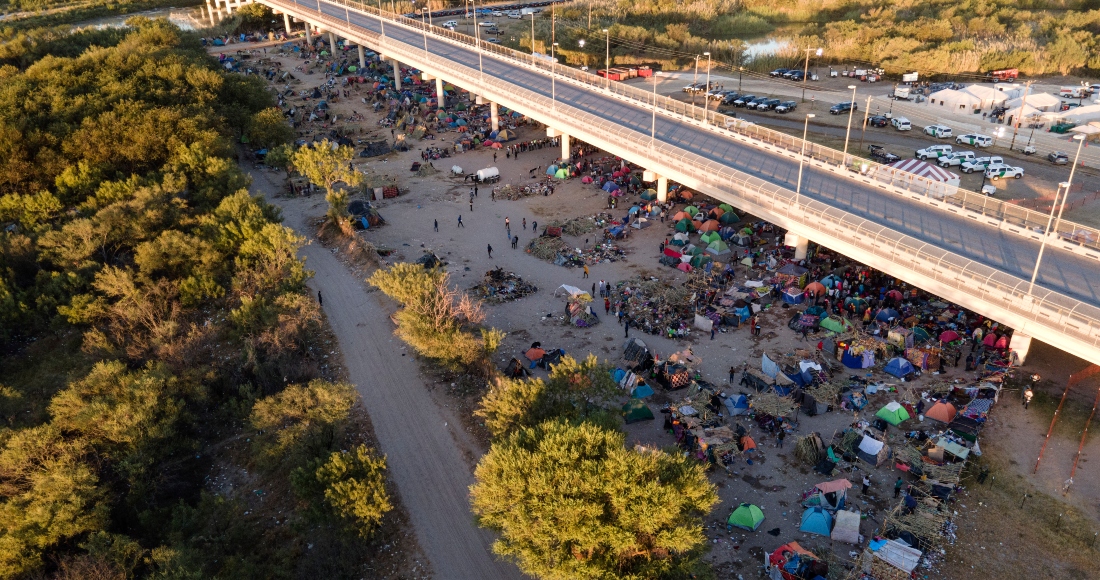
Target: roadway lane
x,y
1062,271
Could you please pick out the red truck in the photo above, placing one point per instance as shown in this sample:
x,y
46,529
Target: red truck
x,y
1008,74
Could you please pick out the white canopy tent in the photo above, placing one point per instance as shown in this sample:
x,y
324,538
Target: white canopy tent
x,y
989,96
1042,101
954,100
1082,115
902,173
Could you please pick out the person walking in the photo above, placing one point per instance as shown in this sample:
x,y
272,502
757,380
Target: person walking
x,y
1027,396
490,250
607,305
436,225
471,206
494,156
780,437
515,242
712,328
320,301
593,288
733,372
897,487
866,484
507,223
585,272
626,328
524,223
756,328
460,222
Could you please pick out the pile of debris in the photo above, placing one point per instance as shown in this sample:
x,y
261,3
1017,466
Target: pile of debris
x,y
653,305
582,225
500,286
512,193
547,248
606,252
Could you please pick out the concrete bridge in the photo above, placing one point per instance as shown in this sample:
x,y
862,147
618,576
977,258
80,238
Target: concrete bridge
x,y
970,249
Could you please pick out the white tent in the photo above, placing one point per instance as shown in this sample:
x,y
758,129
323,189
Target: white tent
x,y
1042,101
1082,115
1023,112
936,180
573,291
989,96
954,100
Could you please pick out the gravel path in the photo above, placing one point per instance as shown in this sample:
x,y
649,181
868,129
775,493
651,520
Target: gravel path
x,y
430,456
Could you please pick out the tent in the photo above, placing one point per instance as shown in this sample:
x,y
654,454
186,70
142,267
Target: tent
x,y
728,218
636,410
709,237
610,186
942,411
649,195
816,520
816,287
681,215
835,324
831,495
685,225
948,336
718,248
1041,101
725,207
572,291
710,226
642,391
562,174
793,562
953,100
793,295
737,405
747,517
893,413
873,451
691,209
989,96
846,527
899,367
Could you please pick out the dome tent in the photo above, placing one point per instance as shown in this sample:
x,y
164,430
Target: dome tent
x,y
900,367
893,413
816,520
747,517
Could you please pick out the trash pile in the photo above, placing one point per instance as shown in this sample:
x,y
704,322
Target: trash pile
x,y
547,248
606,252
500,286
582,225
512,193
653,305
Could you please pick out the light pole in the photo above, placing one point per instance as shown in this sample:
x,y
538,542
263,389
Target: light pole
x,y
802,157
1046,233
806,68
866,115
553,77
1000,132
706,95
477,37
848,131
607,59
740,71
532,34
653,126
694,86
381,21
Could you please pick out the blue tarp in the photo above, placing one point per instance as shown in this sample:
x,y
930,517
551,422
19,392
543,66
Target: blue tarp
x,y
737,405
886,314
642,391
852,361
793,296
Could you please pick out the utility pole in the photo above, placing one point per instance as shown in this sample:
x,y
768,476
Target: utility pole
x,y
866,114
1016,119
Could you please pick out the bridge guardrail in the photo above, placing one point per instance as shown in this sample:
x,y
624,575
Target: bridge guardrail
x,y
1047,308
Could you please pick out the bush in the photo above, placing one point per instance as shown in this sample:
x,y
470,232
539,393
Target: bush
x,y
301,423
348,487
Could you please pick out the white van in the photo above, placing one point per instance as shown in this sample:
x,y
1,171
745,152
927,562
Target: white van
x,y
901,124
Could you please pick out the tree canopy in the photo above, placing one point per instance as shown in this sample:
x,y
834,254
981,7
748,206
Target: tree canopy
x,y
327,164
571,502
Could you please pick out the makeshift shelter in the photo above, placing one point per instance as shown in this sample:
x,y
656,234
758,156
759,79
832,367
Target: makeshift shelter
x,y
816,520
893,413
737,405
942,411
831,495
846,527
747,517
895,555
571,291
793,562
793,295
953,100
636,410
873,451
900,367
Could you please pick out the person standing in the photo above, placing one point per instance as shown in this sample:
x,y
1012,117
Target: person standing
x,y
626,328
1027,396
471,205
494,156
475,190
897,487
490,250
585,272
866,484
733,372
524,223
507,223
515,242
534,226
780,437
436,225
712,329
320,301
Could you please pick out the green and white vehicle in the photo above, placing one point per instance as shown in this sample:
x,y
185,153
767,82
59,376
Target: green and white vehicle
x,y
933,152
981,163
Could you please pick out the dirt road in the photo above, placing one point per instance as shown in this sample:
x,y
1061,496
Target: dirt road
x,y
424,444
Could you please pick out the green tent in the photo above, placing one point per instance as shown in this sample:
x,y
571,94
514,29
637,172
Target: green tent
x,y
893,413
460,107
725,207
920,334
685,225
649,195
836,324
700,261
728,218
718,248
353,68
710,237
562,174
693,250
747,517
634,180
636,410
747,231
691,209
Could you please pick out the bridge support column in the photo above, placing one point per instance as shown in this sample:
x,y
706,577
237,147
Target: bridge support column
x,y
396,74
309,34
1020,344
649,176
332,43
565,149
800,244
494,116
362,57
286,21
440,95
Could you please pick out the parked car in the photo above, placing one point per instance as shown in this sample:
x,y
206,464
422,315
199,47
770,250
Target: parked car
x,y
878,153
974,139
956,158
878,121
494,40
743,100
497,13
981,164
797,76
515,14
730,97
933,152
768,105
843,108
487,23
694,87
450,24
756,102
789,72
1000,170
938,131
901,123
786,107
779,72
1058,158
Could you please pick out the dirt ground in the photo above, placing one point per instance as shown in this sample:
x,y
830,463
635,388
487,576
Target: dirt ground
x,y
391,387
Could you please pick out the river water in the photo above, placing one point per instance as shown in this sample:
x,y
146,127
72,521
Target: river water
x,y
187,18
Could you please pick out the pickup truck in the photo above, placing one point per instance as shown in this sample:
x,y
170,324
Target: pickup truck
x,y
743,100
786,107
768,105
756,102
956,158
981,163
933,152
882,155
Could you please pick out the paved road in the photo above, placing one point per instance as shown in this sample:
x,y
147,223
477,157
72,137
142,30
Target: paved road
x,y
1061,271
427,450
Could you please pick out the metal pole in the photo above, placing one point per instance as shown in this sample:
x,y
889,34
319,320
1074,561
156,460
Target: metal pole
x,y
694,86
1083,436
806,70
740,70
381,21
706,95
1069,182
532,34
653,126
848,130
866,115
553,77
1046,234
802,158
477,37
607,59
1016,121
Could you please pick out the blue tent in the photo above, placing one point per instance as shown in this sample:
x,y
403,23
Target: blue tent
x,y
793,295
634,210
737,405
744,313
610,186
642,391
886,314
551,170
816,520
900,367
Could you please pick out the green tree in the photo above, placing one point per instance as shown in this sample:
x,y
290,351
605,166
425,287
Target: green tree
x,y
347,486
571,502
269,128
327,164
301,422
574,390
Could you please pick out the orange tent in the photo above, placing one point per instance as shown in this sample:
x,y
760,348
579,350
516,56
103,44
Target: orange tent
x,y
710,226
747,443
535,354
681,215
942,412
817,288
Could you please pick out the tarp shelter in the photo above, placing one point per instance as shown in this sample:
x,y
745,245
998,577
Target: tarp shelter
x,y
952,100
897,555
747,517
793,562
793,295
816,520
572,291
893,413
831,495
988,96
942,411
900,367
873,451
737,405
846,527
636,410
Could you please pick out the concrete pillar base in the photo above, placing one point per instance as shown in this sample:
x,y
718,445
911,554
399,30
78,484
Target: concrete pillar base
x,y
552,132
332,43
565,149
440,96
396,74
362,57
286,21
494,116
1020,344
801,245
662,188
479,100
309,33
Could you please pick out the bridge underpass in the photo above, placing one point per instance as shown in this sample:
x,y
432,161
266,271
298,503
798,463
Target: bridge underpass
x,y
983,264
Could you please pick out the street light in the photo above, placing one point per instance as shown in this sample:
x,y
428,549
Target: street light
x,y
1000,132
553,77
695,86
1046,233
806,68
706,95
653,126
532,34
848,131
381,21
802,157
740,70
477,36
607,58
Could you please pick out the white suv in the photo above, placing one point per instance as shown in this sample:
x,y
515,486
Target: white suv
x,y
956,158
938,131
934,152
1000,170
981,163
974,139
